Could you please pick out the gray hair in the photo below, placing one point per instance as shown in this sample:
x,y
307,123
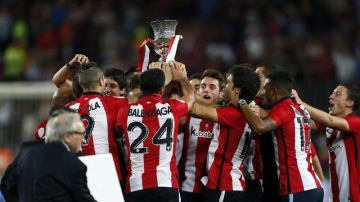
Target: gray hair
x,y
59,125
89,75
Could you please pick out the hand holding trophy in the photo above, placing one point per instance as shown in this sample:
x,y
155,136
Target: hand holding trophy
x,y
165,43
164,30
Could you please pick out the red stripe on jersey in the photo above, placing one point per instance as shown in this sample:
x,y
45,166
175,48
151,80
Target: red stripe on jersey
x,y
292,147
201,153
40,130
344,160
293,171
227,151
198,135
98,114
334,179
87,146
150,127
311,170
351,147
153,126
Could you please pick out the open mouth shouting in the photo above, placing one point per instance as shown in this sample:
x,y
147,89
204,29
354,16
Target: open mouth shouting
x,y
331,105
207,97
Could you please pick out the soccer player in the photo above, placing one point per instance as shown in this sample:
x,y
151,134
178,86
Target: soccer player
x,y
67,91
268,168
342,127
197,137
150,127
98,112
195,81
225,180
115,82
290,123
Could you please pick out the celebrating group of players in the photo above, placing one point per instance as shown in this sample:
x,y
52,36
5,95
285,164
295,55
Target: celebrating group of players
x,y
240,137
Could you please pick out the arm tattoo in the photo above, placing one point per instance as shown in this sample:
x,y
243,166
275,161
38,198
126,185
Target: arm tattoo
x,y
269,124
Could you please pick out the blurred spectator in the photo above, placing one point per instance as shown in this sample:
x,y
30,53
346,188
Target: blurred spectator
x,y
302,35
14,61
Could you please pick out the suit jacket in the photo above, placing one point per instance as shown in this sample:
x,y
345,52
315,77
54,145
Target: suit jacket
x,y
48,172
10,191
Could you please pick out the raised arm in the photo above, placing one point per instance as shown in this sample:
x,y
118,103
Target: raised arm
x,y
323,117
204,112
317,167
258,125
179,75
165,68
61,77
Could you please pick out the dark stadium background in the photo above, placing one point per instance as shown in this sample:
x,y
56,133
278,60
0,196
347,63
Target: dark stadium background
x,y
318,41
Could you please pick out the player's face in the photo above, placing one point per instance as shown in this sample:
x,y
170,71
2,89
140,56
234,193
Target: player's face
x,y
195,84
268,92
338,102
261,72
229,93
210,90
74,140
112,87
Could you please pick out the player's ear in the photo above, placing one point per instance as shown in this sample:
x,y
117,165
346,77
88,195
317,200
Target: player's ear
x,y
350,103
162,89
237,90
102,81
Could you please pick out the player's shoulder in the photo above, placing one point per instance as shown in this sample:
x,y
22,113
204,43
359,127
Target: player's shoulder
x,y
228,108
285,105
113,100
72,103
352,117
174,101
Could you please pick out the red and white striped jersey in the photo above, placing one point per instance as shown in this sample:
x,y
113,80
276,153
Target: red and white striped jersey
x,y
150,127
313,151
197,137
227,151
40,130
98,114
344,153
292,142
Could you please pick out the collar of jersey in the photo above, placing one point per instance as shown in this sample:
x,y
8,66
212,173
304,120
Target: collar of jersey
x,y
283,99
91,93
155,96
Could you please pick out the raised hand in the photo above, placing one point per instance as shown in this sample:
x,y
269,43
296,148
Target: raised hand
x,y
295,95
156,65
178,70
168,73
78,60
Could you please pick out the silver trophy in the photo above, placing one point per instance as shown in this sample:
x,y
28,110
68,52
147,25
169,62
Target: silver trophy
x,y
163,31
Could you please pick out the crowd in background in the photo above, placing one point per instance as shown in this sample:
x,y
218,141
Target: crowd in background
x,y
318,41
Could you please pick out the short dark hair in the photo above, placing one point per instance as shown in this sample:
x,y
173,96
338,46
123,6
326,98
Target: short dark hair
x,y
269,67
133,82
76,88
89,74
196,75
281,80
151,81
215,75
246,79
353,92
117,75
131,71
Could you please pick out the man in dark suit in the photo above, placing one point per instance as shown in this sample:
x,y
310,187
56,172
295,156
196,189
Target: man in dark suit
x,y
51,171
